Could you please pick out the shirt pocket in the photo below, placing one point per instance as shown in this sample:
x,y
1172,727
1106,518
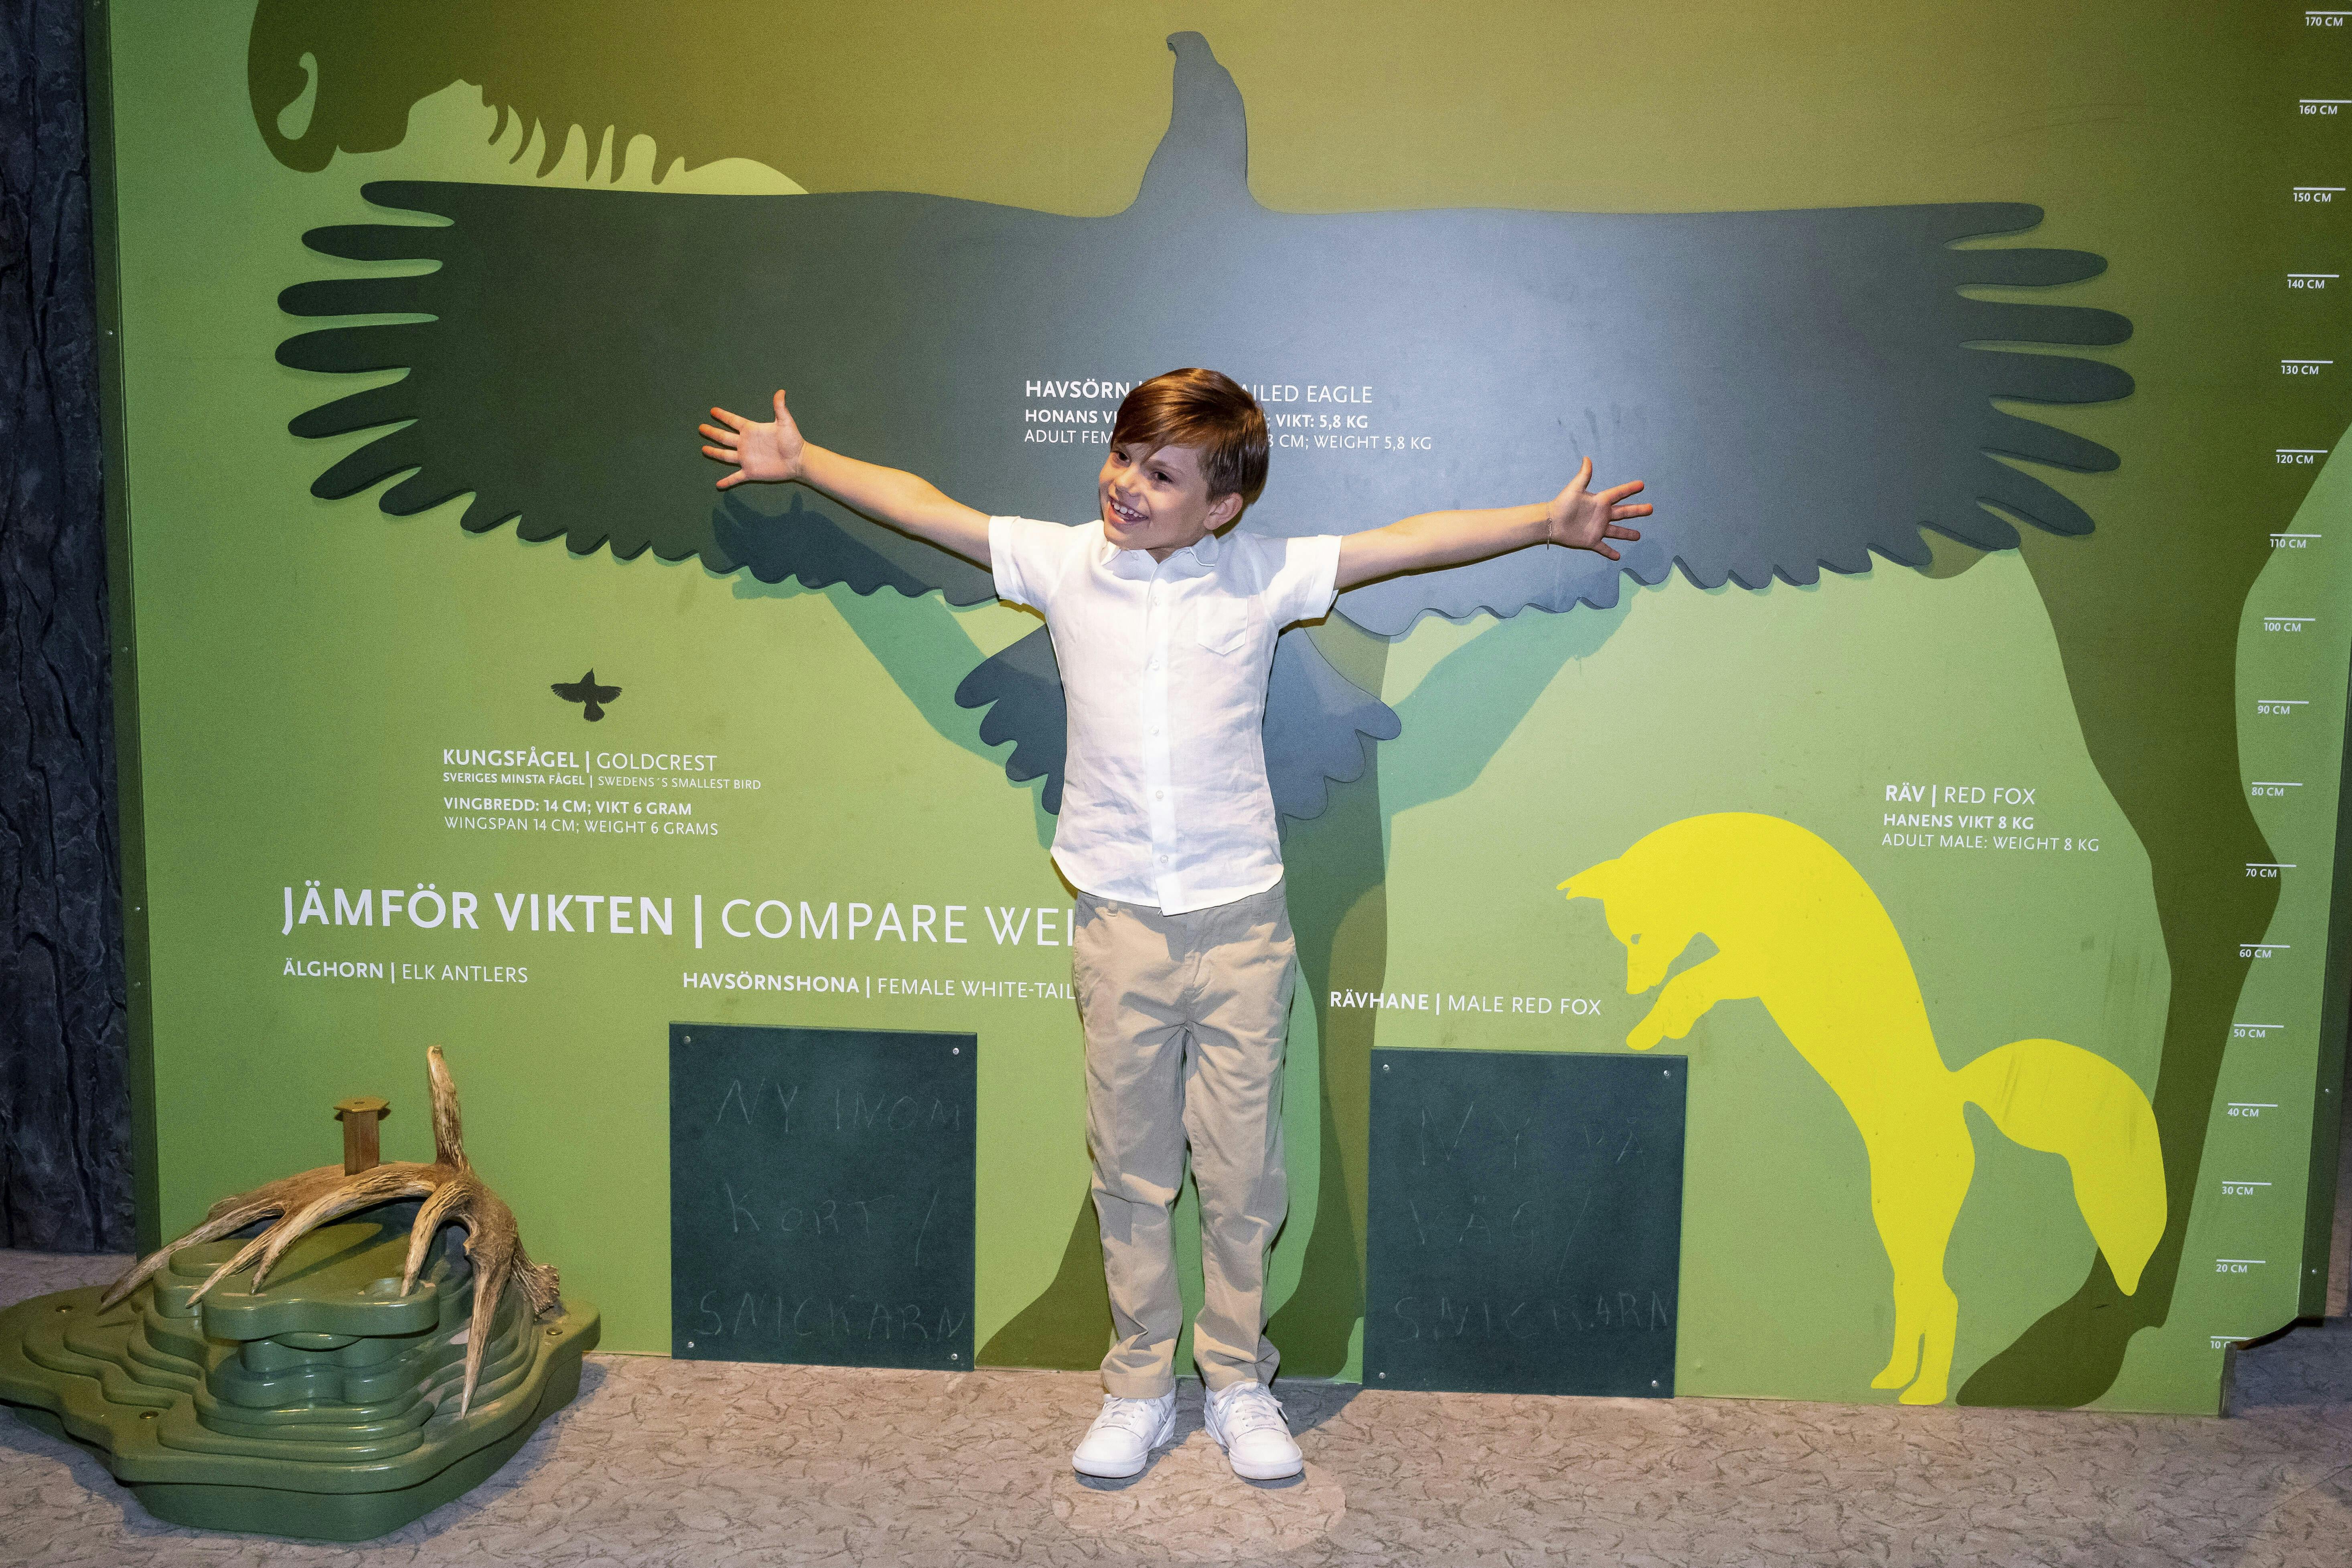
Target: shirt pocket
x,y
1223,625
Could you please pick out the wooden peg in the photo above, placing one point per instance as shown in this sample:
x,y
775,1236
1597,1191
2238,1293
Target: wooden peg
x,y
362,1151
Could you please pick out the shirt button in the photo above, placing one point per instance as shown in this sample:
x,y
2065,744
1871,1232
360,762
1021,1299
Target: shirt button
x,y
1160,795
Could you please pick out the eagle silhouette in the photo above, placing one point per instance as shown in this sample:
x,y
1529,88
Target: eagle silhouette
x,y
1803,391
1747,364
586,692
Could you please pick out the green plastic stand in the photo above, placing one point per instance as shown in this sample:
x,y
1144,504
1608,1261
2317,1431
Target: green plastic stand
x,y
324,1407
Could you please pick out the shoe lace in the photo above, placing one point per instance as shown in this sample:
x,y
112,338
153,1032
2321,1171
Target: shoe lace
x,y
1251,1409
1141,1416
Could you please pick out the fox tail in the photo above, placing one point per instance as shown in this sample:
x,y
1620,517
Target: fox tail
x,y
2062,1100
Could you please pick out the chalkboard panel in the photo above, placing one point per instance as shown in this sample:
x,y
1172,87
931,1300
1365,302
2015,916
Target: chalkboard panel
x,y
1526,1222
821,1196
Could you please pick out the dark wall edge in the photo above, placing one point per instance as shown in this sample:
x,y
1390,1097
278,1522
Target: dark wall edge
x,y
2328,1084
98,64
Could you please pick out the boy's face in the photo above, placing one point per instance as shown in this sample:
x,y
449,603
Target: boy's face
x,y
1158,501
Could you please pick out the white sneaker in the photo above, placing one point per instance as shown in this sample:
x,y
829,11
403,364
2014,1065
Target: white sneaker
x,y
1124,1434
1247,1421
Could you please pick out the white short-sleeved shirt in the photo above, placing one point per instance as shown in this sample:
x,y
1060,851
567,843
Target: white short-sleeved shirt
x,y
1164,667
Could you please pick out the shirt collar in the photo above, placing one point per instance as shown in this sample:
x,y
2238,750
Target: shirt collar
x,y
1198,556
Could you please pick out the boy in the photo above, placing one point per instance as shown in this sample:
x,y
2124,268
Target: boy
x,y
1182,960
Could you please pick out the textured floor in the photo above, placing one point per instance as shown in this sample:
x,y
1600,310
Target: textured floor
x,y
705,1465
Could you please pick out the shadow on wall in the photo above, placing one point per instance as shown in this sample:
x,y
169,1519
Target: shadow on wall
x,y
1913,423
329,75
727,79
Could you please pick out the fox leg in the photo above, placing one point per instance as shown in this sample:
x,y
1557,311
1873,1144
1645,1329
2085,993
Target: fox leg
x,y
1919,1179
1683,999
1927,1324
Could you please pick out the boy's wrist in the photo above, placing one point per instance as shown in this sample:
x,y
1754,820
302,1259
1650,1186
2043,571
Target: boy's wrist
x,y
805,467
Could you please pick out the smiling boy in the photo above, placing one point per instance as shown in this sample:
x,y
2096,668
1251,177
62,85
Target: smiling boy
x,y
1182,961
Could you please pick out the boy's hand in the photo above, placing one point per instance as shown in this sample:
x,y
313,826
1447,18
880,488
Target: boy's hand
x,y
764,452
1572,517
775,452
1575,518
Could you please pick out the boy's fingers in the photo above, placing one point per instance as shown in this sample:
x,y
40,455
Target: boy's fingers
x,y
734,478
1604,550
1616,493
1613,532
732,421
724,437
723,455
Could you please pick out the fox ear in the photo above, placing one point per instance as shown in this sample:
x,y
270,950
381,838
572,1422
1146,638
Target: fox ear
x,y
1592,883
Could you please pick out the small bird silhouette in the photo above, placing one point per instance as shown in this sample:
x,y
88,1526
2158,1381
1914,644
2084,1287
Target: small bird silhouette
x,y
586,692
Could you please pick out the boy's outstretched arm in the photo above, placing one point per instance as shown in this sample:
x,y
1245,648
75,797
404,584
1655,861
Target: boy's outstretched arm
x,y
1575,517
775,452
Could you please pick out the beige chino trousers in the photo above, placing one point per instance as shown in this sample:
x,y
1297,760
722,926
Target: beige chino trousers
x,y
1184,1022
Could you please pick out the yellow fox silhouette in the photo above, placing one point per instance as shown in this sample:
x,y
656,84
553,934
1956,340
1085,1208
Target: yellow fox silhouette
x,y
1796,927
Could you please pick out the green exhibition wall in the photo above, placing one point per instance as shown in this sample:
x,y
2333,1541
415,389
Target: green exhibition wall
x,y
1999,550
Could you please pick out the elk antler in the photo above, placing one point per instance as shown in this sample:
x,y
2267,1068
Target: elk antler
x,y
453,1194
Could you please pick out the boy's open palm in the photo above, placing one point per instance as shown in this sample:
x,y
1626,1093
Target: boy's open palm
x,y
1588,521
764,452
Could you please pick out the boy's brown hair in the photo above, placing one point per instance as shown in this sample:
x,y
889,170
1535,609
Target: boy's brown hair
x,y
1201,409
